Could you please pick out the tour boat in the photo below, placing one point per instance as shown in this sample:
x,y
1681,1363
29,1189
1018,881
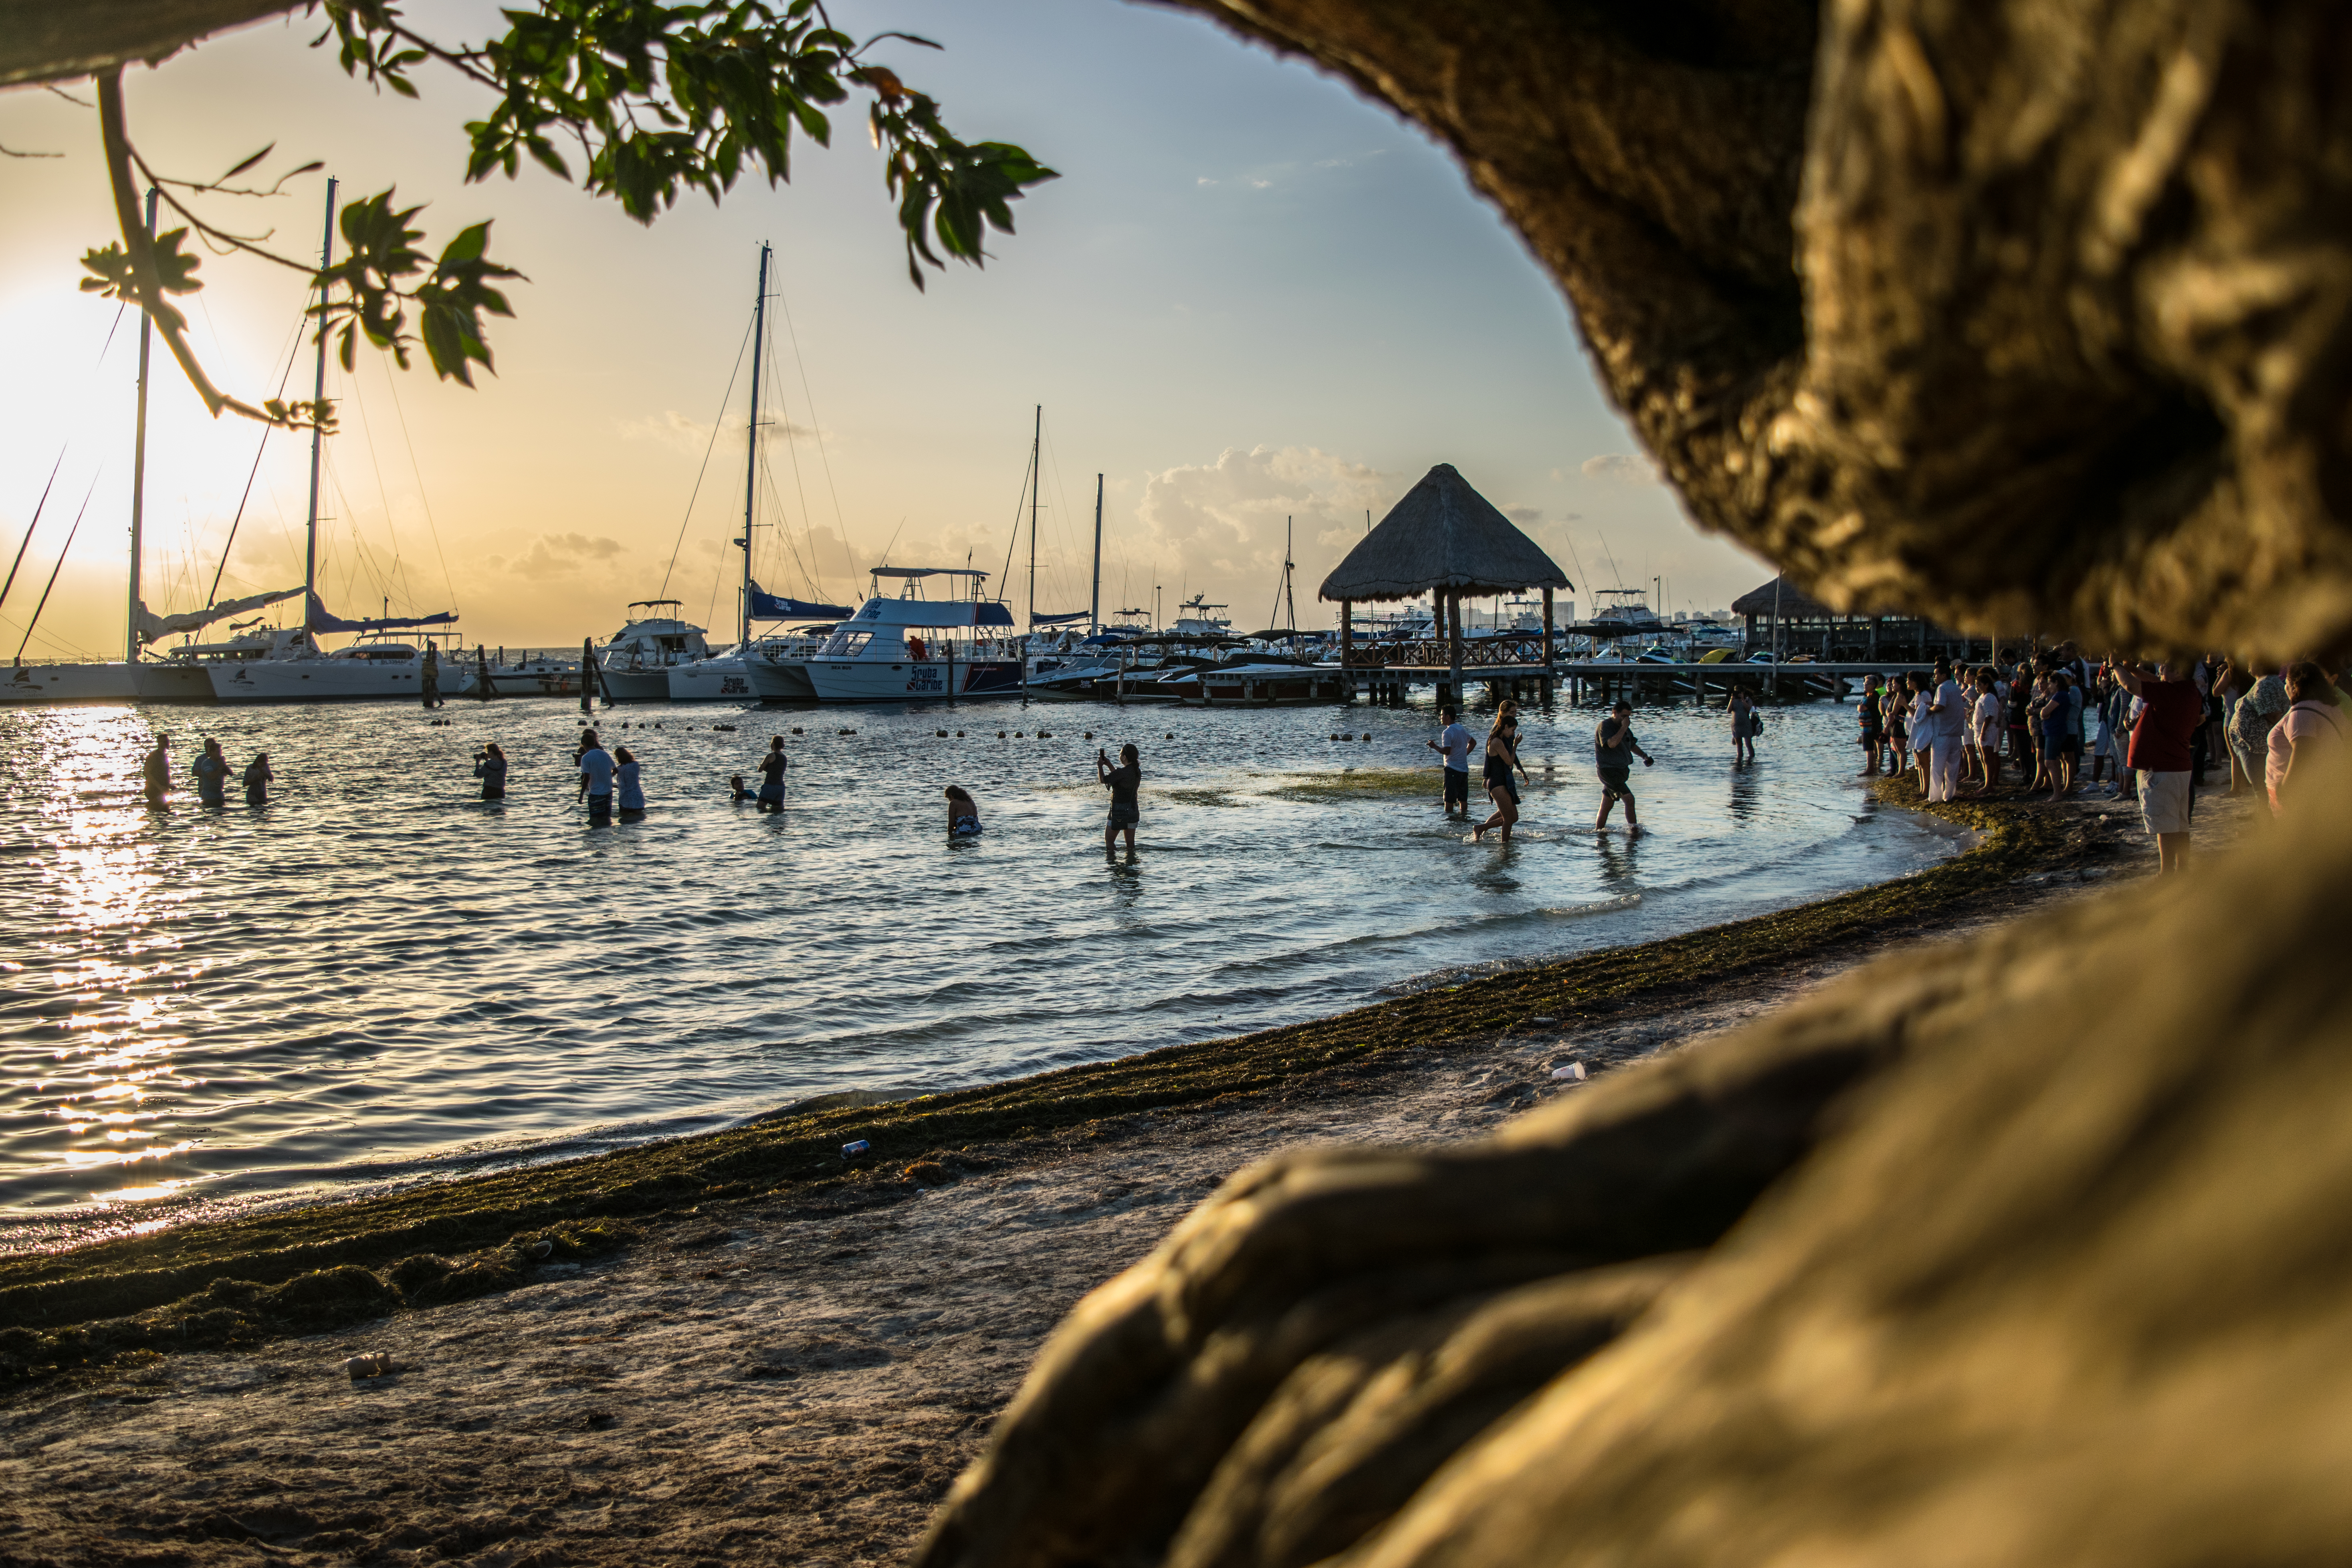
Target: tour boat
x,y
881,654
637,660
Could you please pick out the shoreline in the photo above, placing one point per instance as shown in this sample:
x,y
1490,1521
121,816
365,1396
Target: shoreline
x,y
238,1282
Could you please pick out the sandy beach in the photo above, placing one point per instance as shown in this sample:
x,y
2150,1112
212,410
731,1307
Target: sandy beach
x,y
797,1375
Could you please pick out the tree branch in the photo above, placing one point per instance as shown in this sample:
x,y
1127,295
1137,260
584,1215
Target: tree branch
x,y
137,246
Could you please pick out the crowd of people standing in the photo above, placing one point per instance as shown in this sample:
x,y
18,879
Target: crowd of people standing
x,y
2146,733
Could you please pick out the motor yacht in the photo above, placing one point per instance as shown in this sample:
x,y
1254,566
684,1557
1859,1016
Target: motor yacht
x,y
882,654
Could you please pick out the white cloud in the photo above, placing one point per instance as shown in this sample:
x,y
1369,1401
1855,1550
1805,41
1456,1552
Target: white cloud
x,y
1525,516
1619,467
1224,519
684,433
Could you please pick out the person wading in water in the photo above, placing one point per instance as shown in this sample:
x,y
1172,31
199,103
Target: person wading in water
x,y
1613,750
1502,756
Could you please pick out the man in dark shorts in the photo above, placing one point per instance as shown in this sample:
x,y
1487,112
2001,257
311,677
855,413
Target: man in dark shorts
x,y
1456,744
1613,750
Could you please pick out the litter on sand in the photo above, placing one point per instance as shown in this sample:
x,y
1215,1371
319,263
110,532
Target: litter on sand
x,y
1573,1072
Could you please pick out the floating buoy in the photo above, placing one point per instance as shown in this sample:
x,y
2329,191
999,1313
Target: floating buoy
x,y
1044,734
728,727
1171,734
1367,737
844,732
942,733
959,734
1090,734
796,732
1019,736
1000,734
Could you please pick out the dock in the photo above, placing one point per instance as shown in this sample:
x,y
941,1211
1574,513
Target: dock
x,y
1517,666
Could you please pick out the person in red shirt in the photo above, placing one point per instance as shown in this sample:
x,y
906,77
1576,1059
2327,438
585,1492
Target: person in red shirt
x,y
2163,752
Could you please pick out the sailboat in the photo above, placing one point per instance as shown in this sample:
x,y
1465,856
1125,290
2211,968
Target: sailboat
x,y
179,676
296,668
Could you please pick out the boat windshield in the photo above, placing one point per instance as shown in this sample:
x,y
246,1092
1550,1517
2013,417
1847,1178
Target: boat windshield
x,y
846,644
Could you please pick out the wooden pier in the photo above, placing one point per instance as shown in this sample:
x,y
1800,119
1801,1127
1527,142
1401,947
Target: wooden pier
x,y
1517,666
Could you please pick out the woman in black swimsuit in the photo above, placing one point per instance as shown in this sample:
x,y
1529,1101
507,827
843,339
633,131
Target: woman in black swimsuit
x,y
1502,756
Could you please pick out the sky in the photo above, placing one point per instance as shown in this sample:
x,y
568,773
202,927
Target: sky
x,y
1253,301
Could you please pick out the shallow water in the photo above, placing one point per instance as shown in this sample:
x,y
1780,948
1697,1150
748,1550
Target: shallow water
x,y
378,977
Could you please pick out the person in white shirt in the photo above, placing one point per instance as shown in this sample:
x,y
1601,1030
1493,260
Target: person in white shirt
x,y
1456,744
596,777
1990,717
1945,710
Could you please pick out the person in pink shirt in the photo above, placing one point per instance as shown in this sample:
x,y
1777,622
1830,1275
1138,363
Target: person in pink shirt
x,y
2311,727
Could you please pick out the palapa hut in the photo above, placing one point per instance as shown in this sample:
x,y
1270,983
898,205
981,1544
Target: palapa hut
x,y
1446,540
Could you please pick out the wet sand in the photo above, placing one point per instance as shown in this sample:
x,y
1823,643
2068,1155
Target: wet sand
x,y
794,1377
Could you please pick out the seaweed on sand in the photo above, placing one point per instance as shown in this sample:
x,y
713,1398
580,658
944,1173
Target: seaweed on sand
x,y
236,1281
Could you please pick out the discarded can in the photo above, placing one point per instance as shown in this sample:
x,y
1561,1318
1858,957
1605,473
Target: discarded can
x,y
851,1150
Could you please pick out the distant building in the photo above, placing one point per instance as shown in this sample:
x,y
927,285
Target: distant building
x,y
1782,617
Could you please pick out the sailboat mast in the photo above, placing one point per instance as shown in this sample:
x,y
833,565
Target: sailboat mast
x,y
1094,611
1036,443
139,467
319,395
751,464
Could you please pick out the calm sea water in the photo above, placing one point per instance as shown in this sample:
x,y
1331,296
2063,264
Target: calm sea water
x,y
379,978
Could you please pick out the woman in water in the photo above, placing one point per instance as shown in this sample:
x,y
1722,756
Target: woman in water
x,y
1122,781
1613,750
1743,725
625,778
257,778
963,813
771,775
490,767
1502,756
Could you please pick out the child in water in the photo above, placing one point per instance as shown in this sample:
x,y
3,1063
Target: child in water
x,y
736,793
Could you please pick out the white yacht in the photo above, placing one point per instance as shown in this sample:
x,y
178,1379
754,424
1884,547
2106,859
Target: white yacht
x,y
71,683
637,658
880,655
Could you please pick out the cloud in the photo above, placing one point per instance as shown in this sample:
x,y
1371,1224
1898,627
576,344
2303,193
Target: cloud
x,y
564,555
1224,519
684,433
1525,516
1619,467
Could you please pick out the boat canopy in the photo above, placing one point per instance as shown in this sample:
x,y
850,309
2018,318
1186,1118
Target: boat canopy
x,y
950,613
152,626
321,619
767,606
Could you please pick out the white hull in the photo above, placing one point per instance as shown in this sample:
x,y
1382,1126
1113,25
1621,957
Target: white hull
x,y
176,681
69,683
909,680
710,681
781,680
638,685
316,680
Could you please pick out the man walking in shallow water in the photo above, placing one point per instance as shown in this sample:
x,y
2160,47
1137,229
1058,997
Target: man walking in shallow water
x,y
1455,744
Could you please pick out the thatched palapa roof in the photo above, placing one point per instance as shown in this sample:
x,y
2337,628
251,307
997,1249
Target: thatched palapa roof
x,y
1796,605
1442,536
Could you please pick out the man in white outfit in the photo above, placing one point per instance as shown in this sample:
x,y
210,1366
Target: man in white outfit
x,y
1950,715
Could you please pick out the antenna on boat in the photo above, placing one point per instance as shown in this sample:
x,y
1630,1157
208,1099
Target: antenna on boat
x,y
1036,442
1093,610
